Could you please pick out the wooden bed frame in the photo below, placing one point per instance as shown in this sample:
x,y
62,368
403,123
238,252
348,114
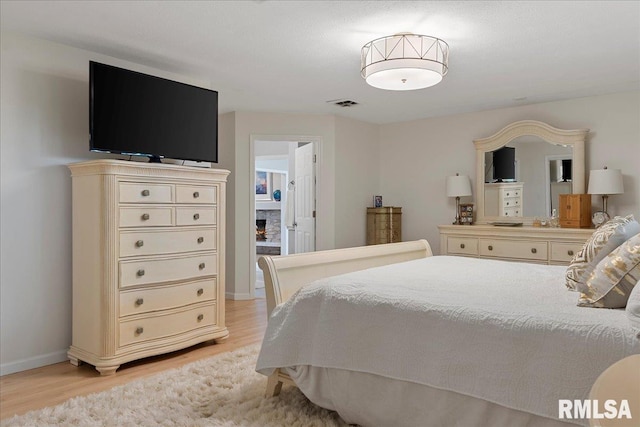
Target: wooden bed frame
x,y
284,275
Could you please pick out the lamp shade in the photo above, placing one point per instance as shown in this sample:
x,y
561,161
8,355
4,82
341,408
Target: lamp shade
x,y
404,61
458,186
605,181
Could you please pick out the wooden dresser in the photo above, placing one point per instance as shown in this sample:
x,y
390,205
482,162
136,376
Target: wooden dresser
x,y
503,199
384,225
148,260
525,243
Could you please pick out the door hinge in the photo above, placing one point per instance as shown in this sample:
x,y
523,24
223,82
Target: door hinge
x,y
314,158
314,214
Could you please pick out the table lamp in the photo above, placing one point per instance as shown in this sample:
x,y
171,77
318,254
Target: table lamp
x,y
458,186
604,182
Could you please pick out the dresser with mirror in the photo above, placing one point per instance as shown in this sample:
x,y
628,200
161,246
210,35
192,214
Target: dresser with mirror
x,y
548,162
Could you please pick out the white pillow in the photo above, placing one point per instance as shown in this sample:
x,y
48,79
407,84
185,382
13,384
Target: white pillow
x,y
605,239
633,308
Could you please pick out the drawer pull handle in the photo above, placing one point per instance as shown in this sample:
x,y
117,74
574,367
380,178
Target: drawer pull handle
x,y
200,317
201,266
461,245
139,243
507,194
145,217
507,203
570,252
140,273
200,291
144,193
139,330
139,301
534,250
196,217
490,248
196,194
200,239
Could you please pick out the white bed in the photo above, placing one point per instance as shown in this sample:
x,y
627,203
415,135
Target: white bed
x,y
404,338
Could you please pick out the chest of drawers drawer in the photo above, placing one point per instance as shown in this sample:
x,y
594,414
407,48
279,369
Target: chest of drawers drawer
x,y
145,300
158,242
512,212
462,245
141,192
195,194
197,215
564,252
165,325
147,216
513,249
143,272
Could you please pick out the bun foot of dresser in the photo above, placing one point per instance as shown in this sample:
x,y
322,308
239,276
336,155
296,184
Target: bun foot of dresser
x,y
74,361
107,370
221,339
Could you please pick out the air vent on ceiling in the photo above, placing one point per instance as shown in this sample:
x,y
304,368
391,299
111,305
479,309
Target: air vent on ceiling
x,y
343,102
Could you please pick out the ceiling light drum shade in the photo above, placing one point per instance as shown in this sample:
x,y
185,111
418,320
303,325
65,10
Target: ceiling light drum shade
x,y
605,181
404,62
458,186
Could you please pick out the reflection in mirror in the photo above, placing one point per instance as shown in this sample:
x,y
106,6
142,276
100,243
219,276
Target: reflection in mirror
x,y
529,183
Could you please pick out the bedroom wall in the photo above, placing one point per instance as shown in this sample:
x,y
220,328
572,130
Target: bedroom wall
x,y
416,157
347,177
44,111
357,178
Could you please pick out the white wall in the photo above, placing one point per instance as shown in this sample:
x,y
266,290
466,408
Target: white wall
x,y
44,109
416,157
357,178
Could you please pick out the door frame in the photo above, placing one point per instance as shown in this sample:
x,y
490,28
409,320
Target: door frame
x,y
317,149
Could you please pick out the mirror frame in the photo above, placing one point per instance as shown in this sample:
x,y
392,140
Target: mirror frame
x,y
570,138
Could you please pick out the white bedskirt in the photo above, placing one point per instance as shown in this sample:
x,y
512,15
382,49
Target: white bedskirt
x,y
507,333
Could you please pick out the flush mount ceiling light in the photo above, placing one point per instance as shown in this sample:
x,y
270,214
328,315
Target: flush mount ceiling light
x,y
404,61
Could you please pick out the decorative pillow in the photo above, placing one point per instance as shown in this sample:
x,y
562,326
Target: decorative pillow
x,y
633,308
609,236
613,279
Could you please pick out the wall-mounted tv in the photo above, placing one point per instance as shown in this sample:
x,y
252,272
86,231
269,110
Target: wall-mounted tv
x,y
504,164
138,114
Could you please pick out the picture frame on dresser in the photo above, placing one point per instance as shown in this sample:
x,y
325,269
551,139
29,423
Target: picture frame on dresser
x,y
466,213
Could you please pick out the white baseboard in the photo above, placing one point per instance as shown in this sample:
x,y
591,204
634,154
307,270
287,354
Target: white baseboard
x,y
238,296
33,362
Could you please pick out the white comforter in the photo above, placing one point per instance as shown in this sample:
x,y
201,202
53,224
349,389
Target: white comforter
x,y
508,333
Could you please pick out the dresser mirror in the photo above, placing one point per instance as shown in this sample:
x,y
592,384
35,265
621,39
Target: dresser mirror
x,y
535,155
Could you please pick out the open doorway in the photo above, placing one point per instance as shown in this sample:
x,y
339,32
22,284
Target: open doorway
x,y
284,218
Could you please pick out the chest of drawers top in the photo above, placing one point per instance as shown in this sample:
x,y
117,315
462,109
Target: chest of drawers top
x,y
138,171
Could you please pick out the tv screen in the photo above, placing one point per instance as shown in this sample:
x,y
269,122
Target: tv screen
x,y
504,164
139,114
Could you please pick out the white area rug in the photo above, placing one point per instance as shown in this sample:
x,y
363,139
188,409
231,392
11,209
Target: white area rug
x,y
223,390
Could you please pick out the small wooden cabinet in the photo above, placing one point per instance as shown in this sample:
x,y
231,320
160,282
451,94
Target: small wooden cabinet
x,y
575,210
384,225
148,260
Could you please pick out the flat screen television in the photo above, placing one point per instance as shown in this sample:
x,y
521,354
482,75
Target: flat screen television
x,y
504,164
566,170
138,114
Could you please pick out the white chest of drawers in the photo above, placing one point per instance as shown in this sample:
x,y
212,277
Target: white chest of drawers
x,y
148,260
525,244
503,199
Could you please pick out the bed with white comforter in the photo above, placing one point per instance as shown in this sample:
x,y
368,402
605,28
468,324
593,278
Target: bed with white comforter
x,y
505,333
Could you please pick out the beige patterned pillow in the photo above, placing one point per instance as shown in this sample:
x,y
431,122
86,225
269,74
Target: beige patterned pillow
x,y
609,236
613,279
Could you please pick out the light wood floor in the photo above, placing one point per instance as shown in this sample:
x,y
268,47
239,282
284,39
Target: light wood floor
x,y
50,385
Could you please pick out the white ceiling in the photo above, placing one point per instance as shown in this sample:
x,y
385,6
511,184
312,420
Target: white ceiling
x,y
294,56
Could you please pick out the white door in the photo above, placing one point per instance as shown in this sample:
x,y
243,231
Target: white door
x,y
305,196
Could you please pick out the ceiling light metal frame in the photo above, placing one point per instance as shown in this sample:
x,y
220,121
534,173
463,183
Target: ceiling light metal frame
x,y
404,61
